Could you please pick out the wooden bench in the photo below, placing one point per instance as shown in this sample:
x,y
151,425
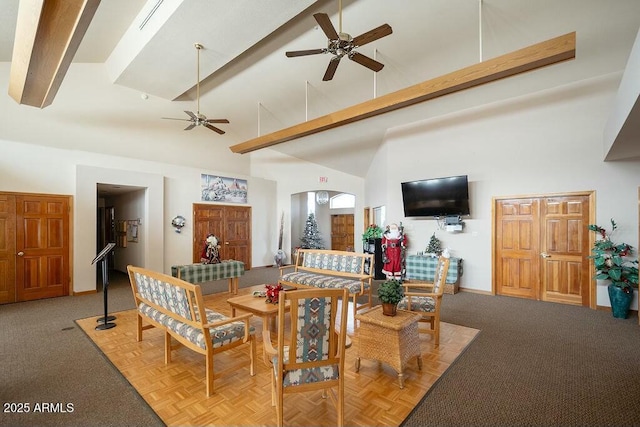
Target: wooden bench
x,y
320,268
177,307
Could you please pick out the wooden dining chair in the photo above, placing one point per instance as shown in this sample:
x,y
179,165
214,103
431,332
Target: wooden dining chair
x,y
426,298
309,354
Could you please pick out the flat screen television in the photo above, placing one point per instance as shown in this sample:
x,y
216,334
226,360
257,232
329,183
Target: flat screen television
x,y
436,197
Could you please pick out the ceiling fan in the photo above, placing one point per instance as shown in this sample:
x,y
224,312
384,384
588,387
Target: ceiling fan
x,y
342,44
196,118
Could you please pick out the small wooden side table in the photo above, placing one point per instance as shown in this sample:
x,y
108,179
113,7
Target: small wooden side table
x,y
390,339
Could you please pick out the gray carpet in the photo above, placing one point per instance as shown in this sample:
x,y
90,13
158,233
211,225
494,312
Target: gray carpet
x,y
536,364
533,364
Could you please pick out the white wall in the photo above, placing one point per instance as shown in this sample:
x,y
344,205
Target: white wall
x,y
295,176
545,143
150,250
170,190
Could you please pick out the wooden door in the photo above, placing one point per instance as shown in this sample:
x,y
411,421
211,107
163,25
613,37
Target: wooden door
x,y
42,247
237,234
342,229
230,224
564,243
367,215
207,219
541,248
7,248
517,247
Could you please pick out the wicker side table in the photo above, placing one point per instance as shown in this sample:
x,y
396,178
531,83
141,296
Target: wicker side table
x,y
389,339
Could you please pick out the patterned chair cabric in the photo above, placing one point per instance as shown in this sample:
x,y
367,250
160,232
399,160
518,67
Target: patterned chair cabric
x,y
328,269
427,303
177,307
315,359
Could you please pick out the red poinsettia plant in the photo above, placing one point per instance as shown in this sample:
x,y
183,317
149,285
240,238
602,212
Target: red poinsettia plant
x,y
612,260
273,292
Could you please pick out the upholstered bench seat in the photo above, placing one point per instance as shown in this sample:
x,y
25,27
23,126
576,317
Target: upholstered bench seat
x,y
329,269
177,308
220,335
324,281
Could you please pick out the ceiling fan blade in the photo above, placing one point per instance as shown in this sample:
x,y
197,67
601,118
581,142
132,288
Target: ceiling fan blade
x,y
366,61
171,118
375,34
331,69
294,53
190,114
217,121
213,128
326,25
191,126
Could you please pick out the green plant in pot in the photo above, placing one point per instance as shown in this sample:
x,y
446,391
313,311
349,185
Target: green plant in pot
x,y
614,264
390,293
372,232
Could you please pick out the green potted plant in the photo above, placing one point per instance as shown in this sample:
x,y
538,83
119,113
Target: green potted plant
x,y
390,293
372,232
613,263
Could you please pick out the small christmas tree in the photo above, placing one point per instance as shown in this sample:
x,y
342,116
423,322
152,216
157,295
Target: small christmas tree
x,y
434,246
311,238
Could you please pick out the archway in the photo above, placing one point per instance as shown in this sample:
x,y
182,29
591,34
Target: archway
x,y
321,205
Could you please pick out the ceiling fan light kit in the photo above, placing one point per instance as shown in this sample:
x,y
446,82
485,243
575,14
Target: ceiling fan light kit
x,y
198,119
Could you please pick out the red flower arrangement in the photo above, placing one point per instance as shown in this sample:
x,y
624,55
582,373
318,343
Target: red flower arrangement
x,y
273,291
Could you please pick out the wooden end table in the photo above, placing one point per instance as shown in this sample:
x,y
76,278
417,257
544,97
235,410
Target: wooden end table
x,y
258,306
390,339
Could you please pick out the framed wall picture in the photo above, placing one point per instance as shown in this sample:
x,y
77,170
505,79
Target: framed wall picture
x,y
132,231
223,189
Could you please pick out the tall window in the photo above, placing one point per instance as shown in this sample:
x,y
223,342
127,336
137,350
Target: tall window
x,y
379,216
342,200
311,202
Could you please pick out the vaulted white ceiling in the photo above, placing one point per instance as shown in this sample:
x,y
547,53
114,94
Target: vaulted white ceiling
x,y
148,46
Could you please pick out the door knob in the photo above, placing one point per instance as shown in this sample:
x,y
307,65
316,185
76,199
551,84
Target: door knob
x,y
545,255
226,243
20,253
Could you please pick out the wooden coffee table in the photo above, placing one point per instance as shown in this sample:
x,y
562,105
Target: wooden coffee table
x,y
258,306
390,339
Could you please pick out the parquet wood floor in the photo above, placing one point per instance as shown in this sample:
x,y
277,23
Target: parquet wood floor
x,y
176,392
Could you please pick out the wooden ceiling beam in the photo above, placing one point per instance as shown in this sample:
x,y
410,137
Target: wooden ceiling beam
x,y
529,58
48,33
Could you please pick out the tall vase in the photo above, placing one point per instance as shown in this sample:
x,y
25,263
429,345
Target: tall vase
x,y
620,301
279,257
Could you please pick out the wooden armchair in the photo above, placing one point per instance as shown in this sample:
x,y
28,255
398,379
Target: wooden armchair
x,y
426,298
314,358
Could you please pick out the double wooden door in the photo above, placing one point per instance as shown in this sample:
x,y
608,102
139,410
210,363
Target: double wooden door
x,y
342,229
230,224
34,247
541,248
